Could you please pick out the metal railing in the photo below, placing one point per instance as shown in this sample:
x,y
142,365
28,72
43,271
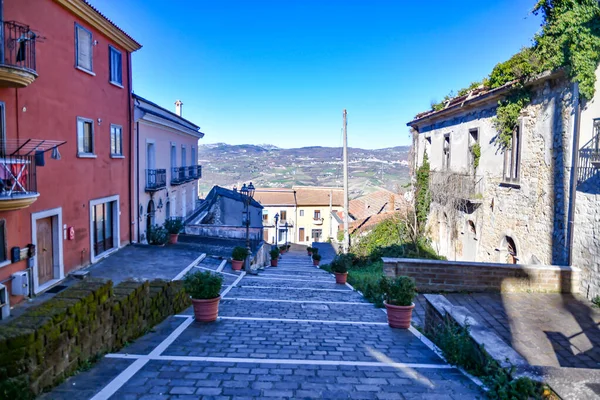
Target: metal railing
x,y
17,176
19,46
589,160
156,179
455,185
178,175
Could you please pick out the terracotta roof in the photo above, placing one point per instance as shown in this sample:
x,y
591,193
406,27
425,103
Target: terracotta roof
x,y
365,224
374,203
318,196
275,197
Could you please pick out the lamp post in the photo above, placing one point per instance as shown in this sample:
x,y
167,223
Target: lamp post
x,y
276,230
247,193
286,231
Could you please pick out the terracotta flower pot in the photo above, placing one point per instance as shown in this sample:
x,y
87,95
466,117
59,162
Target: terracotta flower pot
x,y
274,263
206,310
316,263
237,265
341,278
309,253
399,316
173,238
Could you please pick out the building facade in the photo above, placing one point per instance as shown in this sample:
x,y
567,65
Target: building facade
x,y
535,202
279,214
167,167
65,81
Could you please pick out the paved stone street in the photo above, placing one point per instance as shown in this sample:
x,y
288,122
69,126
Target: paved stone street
x,y
289,332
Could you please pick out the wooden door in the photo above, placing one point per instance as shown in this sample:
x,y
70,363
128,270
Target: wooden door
x,y
45,250
301,235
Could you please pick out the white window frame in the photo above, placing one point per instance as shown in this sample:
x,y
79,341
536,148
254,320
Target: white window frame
x,y
116,227
111,50
120,130
80,67
91,154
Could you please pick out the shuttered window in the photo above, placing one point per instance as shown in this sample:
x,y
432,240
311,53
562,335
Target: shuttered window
x,y
116,65
83,48
85,137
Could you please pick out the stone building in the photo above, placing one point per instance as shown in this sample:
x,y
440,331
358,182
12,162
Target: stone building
x,y
533,203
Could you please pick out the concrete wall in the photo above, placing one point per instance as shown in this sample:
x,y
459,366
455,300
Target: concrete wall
x,y
534,212
435,275
223,231
179,199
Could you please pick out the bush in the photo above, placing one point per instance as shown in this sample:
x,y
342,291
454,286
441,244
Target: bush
x,y
343,262
239,253
274,254
315,250
399,291
309,249
157,235
316,257
173,225
203,285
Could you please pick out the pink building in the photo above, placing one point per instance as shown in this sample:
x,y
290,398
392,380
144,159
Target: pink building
x,y
166,165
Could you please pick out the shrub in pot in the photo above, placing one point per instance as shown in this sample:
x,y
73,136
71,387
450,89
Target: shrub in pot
x,y
238,256
315,250
274,257
316,259
204,288
282,249
173,226
340,268
398,295
309,250
157,235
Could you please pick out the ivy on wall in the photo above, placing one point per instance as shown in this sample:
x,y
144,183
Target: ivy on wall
x,y
422,194
569,39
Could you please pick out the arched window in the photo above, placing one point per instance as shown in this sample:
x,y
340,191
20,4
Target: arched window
x,y
511,251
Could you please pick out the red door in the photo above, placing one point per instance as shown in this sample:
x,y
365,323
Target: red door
x,y
45,250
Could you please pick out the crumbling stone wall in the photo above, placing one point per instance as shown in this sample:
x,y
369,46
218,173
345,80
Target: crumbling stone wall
x,y
51,341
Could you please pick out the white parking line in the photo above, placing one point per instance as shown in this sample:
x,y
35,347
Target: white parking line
x,y
353,303
285,361
186,269
233,284
297,288
222,265
314,321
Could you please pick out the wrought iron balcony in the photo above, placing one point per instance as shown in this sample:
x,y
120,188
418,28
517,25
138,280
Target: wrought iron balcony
x,y
156,179
192,172
17,55
178,175
18,183
448,185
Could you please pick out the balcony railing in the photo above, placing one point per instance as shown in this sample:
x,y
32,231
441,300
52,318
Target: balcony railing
x,y
17,55
156,179
18,182
178,175
194,172
589,159
452,185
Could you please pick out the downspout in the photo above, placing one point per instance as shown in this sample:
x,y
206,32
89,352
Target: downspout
x,y
130,102
137,188
574,173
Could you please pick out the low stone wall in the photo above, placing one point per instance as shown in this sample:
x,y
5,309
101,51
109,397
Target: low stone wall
x,y
223,231
454,276
262,256
50,342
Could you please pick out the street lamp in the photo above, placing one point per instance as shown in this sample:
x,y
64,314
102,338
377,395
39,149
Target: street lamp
x,y
247,193
286,231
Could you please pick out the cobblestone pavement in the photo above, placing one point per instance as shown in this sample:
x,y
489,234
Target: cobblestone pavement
x,y
288,333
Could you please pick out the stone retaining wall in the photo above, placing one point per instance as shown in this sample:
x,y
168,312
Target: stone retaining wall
x,y
51,341
454,276
223,231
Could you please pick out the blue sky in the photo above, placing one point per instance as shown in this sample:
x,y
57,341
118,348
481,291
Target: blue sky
x,y
281,72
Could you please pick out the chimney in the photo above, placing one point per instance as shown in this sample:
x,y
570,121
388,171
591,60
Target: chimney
x,y
178,107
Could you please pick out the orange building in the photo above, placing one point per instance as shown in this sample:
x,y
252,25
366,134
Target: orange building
x,y
66,135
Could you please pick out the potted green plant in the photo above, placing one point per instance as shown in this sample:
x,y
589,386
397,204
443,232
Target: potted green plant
x,y
274,257
287,248
238,256
157,235
173,226
340,269
309,250
204,289
398,296
316,259
282,249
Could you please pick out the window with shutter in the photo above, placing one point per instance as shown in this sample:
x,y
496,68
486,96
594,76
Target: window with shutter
x,y
83,48
85,137
116,66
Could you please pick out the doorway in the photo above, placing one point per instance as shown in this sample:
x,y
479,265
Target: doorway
x,y
46,235
150,213
104,227
301,234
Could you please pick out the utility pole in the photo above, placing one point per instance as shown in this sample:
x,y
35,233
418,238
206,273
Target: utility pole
x,y
346,234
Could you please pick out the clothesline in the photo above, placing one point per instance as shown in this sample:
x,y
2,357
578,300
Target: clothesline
x,y
24,147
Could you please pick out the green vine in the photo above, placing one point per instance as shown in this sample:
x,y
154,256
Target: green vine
x,y
569,39
422,194
476,151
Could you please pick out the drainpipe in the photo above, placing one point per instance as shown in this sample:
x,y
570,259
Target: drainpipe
x,y
130,147
137,187
574,173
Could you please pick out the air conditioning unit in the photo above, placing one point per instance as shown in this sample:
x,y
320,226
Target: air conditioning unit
x,y
20,283
4,302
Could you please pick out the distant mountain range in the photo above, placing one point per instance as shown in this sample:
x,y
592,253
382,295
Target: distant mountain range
x,y
270,166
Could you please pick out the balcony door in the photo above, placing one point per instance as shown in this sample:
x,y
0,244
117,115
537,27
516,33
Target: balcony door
x,y
104,226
